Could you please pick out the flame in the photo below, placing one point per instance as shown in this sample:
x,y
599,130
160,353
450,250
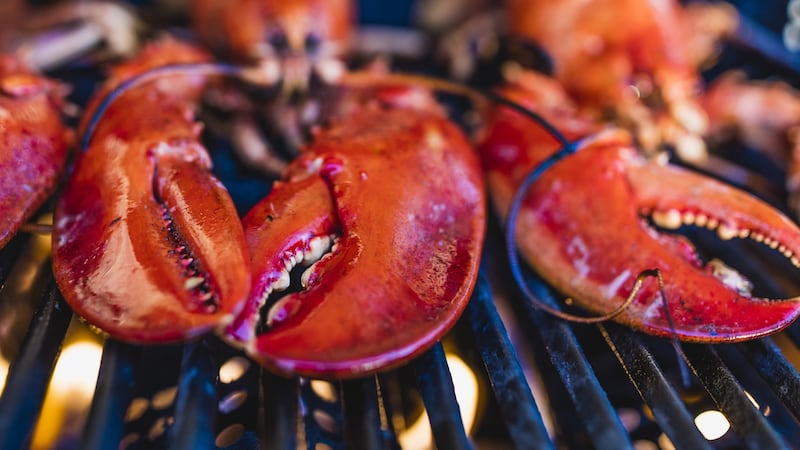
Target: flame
x,y
3,373
71,389
419,435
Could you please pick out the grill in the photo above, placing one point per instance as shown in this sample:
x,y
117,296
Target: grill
x,y
531,381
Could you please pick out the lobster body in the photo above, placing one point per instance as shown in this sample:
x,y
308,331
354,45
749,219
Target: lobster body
x,y
583,226
635,61
147,244
401,190
33,143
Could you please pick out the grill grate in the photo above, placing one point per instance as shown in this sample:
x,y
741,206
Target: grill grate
x,y
361,416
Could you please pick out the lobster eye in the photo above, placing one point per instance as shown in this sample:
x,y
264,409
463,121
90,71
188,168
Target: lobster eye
x,y
312,43
277,39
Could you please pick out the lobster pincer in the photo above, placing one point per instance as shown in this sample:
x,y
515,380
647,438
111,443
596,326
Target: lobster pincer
x,y
386,208
601,216
147,243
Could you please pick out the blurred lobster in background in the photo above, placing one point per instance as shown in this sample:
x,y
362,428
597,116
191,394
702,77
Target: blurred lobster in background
x,y
633,61
297,44
764,115
33,142
34,139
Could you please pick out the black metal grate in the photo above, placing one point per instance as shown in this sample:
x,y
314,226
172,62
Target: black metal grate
x,y
582,385
177,396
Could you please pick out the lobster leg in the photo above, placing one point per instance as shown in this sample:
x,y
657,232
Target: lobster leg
x,y
298,42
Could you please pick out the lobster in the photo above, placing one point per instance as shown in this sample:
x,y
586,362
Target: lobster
x,y
400,188
35,141
405,258
393,264
584,227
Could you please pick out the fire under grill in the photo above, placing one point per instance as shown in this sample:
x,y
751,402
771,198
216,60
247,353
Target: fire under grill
x,y
507,376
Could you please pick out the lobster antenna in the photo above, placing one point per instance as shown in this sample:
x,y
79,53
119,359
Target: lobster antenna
x,y
249,74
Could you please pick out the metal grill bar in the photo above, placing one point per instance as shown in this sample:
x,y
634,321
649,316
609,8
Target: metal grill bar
x,y
115,386
195,407
729,396
517,404
280,411
362,417
781,376
654,389
760,394
436,386
29,374
587,395
8,256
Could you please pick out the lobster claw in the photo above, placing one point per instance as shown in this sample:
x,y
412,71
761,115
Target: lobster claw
x,y
388,208
148,245
584,226
33,143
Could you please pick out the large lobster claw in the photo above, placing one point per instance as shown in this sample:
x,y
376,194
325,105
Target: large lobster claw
x,y
148,245
584,227
33,143
392,202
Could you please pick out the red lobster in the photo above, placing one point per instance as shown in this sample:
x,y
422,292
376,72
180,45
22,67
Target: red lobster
x,y
34,140
583,224
400,188
389,196
405,259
